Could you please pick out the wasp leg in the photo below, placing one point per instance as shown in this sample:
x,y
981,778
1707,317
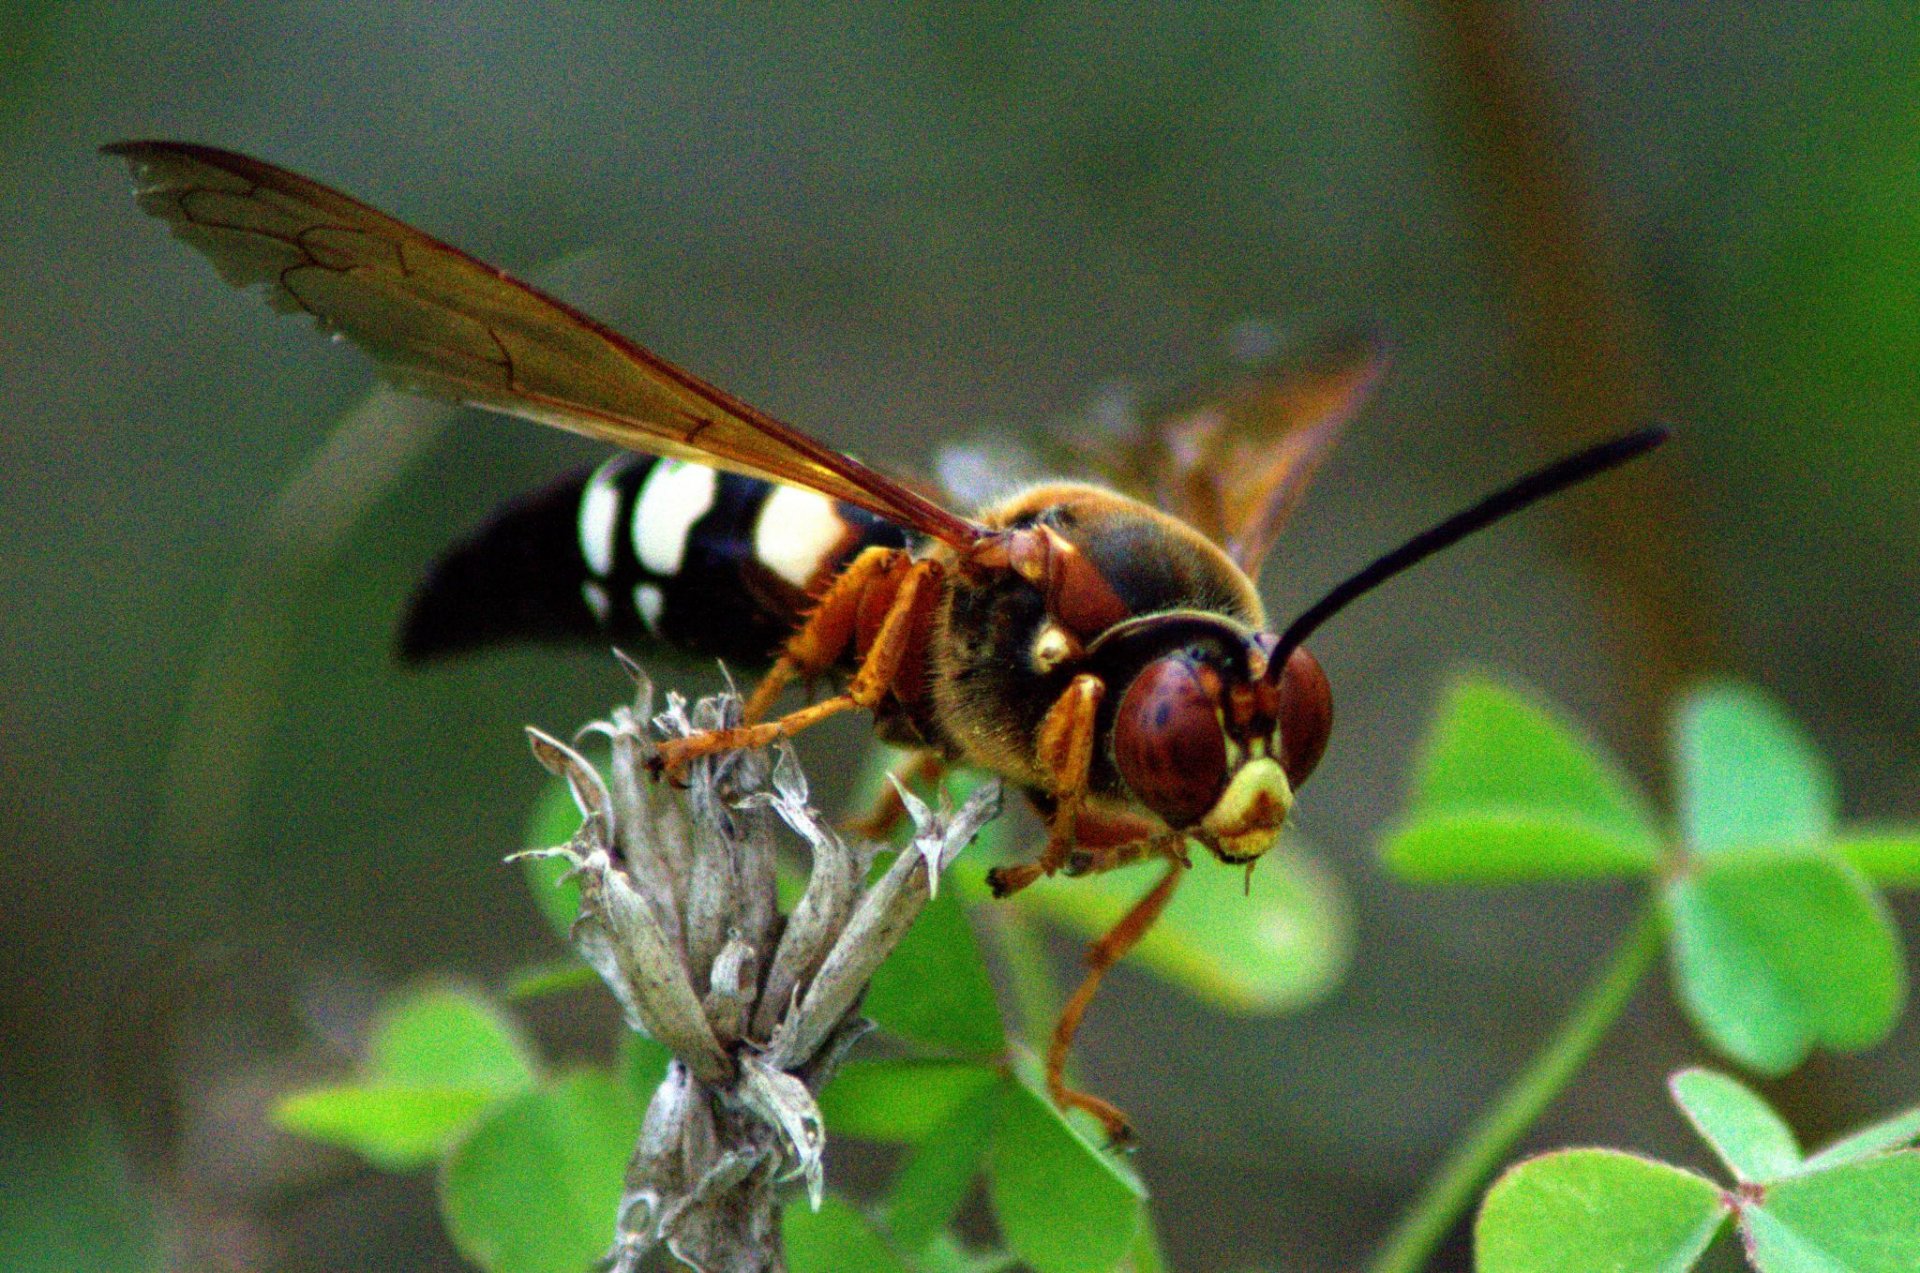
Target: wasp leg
x,y
1102,955
909,611
1105,846
1065,751
1105,837
884,816
823,638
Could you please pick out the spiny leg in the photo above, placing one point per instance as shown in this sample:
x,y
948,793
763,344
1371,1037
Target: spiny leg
x,y
1102,955
821,640
883,817
1064,748
908,612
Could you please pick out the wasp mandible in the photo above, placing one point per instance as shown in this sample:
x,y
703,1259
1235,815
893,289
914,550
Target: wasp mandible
x,y
1111,657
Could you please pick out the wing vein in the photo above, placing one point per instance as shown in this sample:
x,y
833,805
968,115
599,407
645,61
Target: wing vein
x,y
442,322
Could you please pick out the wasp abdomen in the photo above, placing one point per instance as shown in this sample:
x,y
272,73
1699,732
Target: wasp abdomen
x,y
642,549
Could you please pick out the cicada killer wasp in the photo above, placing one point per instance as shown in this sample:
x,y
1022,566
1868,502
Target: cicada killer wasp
x,y
1109,656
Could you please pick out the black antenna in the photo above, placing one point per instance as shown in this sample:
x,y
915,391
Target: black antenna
x,y
1505,502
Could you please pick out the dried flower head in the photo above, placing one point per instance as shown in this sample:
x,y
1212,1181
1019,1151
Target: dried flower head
x,y
679,916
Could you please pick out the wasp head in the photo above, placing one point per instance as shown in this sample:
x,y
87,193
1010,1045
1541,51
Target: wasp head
x,y
1208,734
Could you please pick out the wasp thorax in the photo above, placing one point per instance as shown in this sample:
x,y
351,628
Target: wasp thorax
x,y
1168,741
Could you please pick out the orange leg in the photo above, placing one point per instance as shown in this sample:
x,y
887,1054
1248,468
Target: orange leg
x,y
908,614
1101,956
1096,857
883,818
1065,751
820,642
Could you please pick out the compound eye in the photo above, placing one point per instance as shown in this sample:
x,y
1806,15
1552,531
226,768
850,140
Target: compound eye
x,y
1167,740
1306,716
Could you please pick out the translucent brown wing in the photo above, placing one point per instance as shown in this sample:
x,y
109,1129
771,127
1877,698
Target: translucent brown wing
x,y
439,322
1236,466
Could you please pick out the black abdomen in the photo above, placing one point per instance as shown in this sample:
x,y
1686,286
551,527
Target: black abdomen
x,y
641,549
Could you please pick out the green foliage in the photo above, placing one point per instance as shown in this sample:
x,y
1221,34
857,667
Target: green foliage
x,y
553,820
1775,951
535,1186
642,1064
1746,774
1492,847
1271,943
1754,1142
448,1036
555,977
1853,1208
1891,1133
1564,1212
835,1238
395,1128
934,989
436,1061
901,1101
1267,943
530,1168
938,1176
1146,1256
1890,857
1507,791
1779,941
1862,1217
1064,1205
964,1109
945,1255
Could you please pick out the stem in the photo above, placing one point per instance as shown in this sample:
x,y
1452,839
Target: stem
x,y
1494,1133
1036,996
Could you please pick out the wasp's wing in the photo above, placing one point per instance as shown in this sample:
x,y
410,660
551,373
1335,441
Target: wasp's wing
x,y
1236,466
440,322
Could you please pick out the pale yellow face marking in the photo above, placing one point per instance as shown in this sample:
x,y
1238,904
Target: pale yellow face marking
x,y
1246,819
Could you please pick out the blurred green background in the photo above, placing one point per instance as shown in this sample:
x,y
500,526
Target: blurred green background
x,y
890,224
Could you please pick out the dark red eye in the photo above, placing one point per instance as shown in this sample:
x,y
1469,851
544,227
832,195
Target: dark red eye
x,y
1168,742
1306,716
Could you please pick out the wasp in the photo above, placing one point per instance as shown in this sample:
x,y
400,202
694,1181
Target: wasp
x,y
1108,654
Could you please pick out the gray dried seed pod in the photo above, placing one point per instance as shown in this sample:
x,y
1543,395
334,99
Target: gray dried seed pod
x,y
678,912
